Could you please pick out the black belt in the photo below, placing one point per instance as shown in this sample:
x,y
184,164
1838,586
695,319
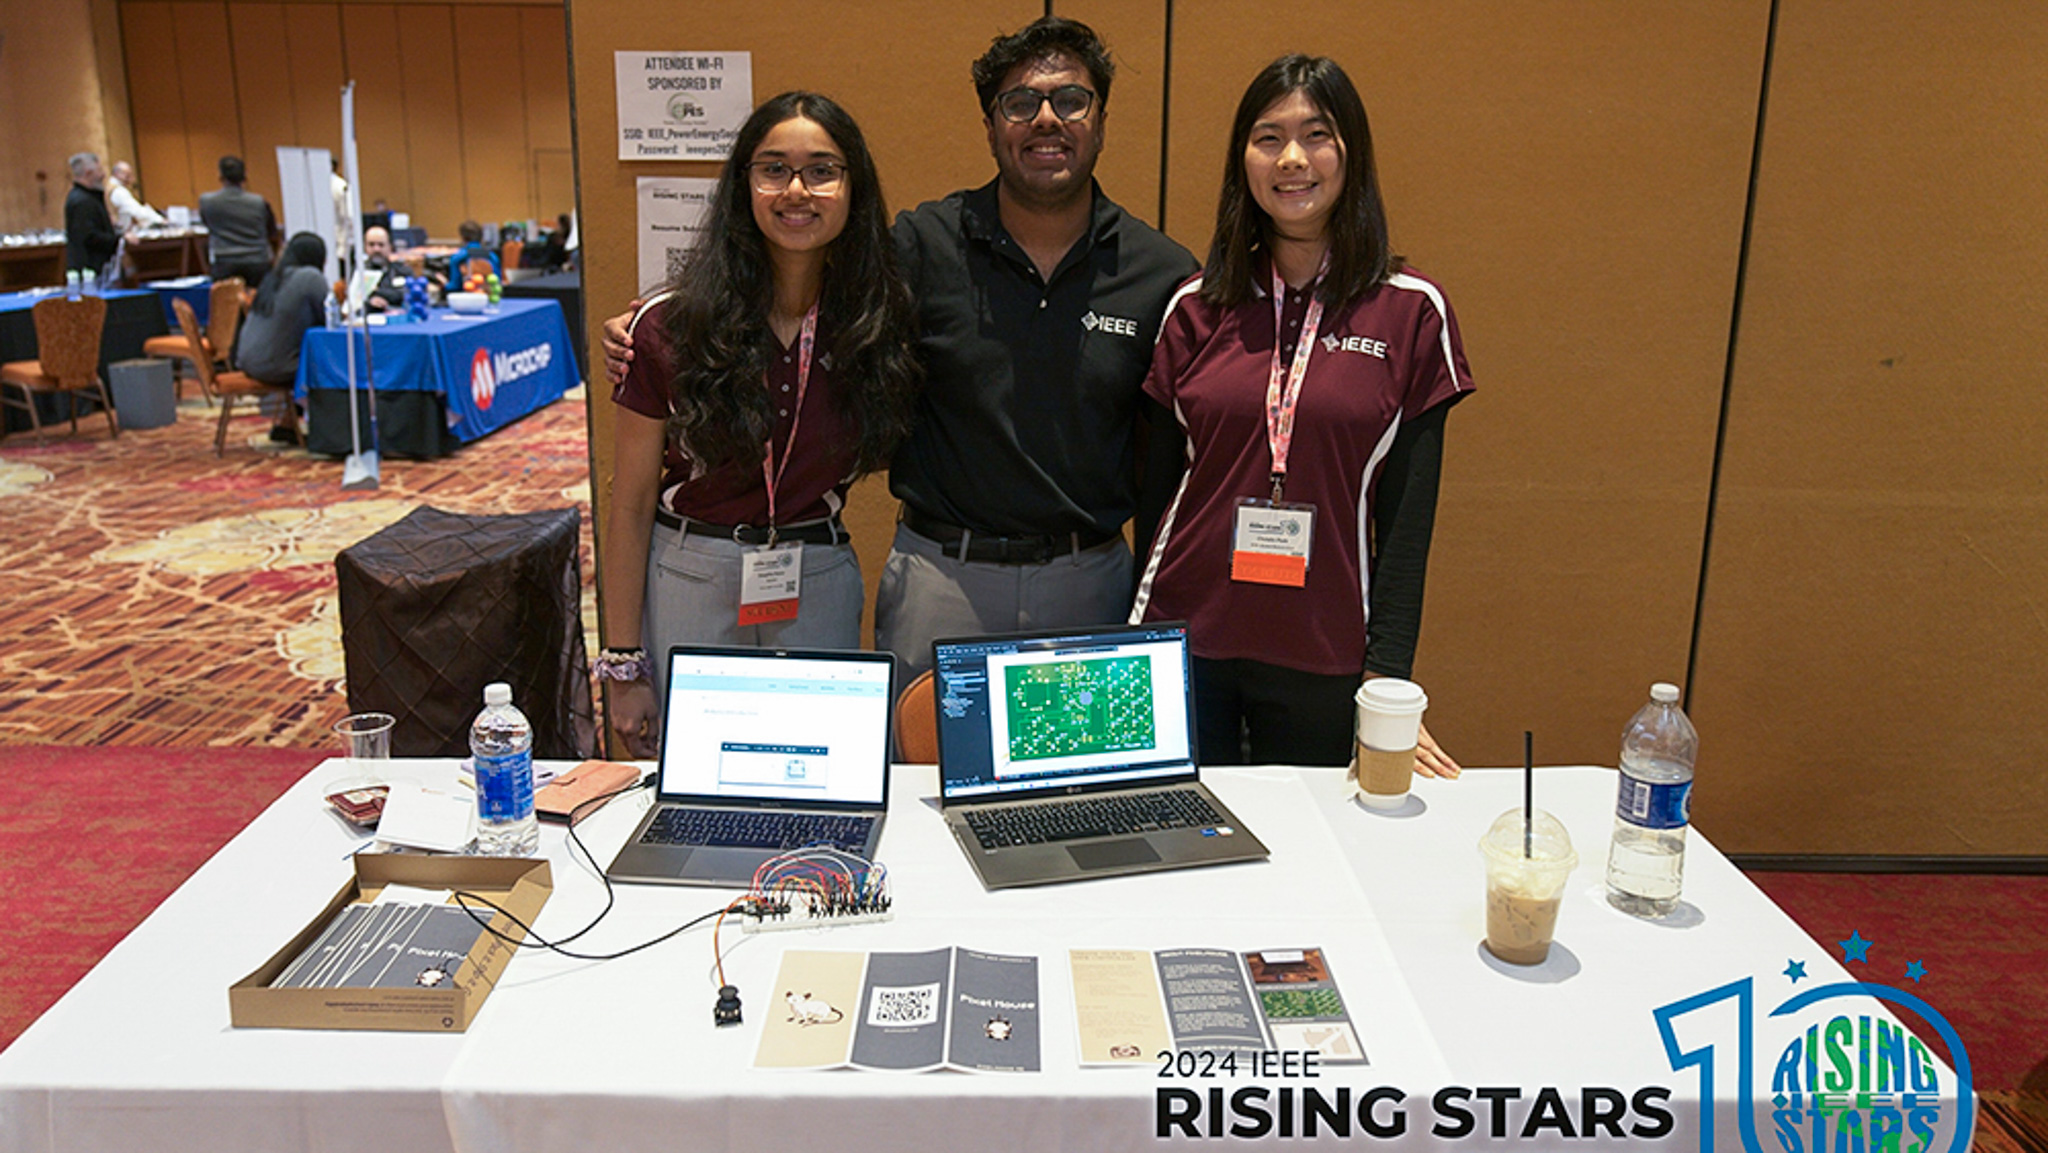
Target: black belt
x,y
828,531
992,548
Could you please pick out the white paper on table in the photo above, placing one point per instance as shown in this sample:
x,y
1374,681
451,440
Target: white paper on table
x,y
442,820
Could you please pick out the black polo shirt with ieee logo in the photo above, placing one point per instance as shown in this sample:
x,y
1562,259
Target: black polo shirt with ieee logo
x,y
1031,387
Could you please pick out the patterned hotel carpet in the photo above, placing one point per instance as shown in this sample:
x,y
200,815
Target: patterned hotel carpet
x,y
156,595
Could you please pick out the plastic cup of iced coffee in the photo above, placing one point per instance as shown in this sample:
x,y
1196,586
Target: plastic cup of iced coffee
x,y
1527,865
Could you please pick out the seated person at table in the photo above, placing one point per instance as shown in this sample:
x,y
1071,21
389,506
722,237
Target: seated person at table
x,y
472,249
291,299
389,292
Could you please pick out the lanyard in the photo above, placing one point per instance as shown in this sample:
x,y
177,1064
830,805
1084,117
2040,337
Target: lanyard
x,y
1283,385
771,473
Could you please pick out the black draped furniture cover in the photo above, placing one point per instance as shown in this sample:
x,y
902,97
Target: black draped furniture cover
x,y
440,604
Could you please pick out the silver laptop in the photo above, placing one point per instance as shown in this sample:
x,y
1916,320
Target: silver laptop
x,y
763,751
1072,754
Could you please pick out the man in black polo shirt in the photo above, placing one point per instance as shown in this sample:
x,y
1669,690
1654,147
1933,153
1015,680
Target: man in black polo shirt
x,y
1038,302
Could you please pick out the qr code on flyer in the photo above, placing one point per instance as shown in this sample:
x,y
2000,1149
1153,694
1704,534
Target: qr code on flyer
x,y
905,1005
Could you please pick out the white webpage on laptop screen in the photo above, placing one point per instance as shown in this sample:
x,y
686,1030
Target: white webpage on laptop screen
x,y
782,730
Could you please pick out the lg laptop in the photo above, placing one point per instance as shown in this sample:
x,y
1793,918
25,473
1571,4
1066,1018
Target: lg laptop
x,y
1071,755
763,751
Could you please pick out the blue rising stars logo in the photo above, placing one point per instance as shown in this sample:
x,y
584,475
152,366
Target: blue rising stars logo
x,y
1830,1070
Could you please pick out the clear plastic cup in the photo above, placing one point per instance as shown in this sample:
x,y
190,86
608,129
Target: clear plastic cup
x,y
1525,879
365,736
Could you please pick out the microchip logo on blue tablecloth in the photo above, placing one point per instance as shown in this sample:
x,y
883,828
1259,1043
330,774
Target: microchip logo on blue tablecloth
x,y
488,370
483,383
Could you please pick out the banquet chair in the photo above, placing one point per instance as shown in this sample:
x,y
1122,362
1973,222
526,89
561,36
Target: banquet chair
x,y
917,722
229,385
509,254
223,320
67,360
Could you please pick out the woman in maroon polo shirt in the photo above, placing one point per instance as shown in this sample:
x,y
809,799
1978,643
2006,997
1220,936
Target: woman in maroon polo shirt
x,y
771,373
1309,372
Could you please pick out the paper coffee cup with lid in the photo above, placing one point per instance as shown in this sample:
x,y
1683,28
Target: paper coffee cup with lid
x,y
1389,723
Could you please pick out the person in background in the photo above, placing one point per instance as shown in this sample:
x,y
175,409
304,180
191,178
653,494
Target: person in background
x,y
1037,300
389,292
473,248
344,220
775,370
1309,372
240,226
128,209
89,235
291,299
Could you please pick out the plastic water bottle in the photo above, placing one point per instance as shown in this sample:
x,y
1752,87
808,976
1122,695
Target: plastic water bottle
x,y
1646,865
501,743
72,283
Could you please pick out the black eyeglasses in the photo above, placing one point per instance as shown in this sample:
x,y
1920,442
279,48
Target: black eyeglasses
x,y
819,176
1021,105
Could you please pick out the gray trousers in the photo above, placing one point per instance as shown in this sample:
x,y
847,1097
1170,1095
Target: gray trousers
x,y
926,595
693,597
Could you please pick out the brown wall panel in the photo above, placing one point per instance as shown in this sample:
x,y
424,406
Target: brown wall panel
x,y
263,93
426,50
494,154
206,83
159,105
1575,177
370,40
1874,640
313,41
544,64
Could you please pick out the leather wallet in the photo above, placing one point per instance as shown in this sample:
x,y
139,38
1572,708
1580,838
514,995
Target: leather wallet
x,y
586,781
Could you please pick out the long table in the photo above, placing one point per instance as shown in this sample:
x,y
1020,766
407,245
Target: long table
x,y
575,1055
440,383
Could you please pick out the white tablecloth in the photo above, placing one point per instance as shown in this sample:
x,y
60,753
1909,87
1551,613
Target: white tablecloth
x,y
576,1055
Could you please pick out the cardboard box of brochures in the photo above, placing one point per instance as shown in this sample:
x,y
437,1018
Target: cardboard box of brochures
x,y
519,885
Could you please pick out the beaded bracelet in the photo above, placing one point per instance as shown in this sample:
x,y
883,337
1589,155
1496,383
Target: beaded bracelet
x,y
622,665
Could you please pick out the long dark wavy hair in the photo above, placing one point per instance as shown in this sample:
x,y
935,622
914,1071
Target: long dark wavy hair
x,y
718,319
303,250
1360,259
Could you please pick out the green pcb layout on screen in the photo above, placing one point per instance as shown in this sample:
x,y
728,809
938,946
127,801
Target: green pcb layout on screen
x,y
1071,708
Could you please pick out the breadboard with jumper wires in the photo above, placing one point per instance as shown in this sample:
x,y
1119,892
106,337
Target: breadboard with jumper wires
x,y
817,887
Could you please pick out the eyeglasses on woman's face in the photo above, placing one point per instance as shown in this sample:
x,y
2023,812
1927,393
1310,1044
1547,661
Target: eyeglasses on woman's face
x,y
1021,105
820,177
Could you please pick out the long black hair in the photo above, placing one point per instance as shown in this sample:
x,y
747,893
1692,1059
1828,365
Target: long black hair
x,y
1360,259
303,250
718,320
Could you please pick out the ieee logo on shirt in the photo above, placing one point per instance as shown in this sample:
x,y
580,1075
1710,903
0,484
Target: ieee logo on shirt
x,y
1119,325
1364,344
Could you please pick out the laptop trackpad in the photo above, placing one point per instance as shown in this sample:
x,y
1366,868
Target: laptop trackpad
x,y
1113,854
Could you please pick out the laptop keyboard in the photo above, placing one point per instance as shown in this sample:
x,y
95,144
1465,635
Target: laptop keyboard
x,y
1116,814
757,830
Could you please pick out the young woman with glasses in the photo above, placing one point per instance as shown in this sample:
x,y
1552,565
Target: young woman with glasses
x,y
773,371
1309,372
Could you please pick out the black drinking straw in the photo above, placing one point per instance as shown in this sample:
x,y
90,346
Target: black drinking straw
x,y
1528,790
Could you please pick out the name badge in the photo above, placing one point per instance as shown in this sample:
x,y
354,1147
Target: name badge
x,y
1270,545
770,580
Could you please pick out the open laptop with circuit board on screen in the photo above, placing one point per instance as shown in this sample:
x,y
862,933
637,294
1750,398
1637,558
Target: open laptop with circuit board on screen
x,y
1072,754
763,751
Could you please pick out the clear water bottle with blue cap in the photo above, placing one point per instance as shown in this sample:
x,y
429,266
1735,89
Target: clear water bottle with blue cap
x,y
1646,863
501,748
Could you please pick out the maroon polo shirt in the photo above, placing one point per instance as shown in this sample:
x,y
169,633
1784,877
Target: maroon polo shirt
x,y
1388,357
814,485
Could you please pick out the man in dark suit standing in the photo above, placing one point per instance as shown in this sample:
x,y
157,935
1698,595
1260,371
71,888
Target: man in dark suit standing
x,y
89,236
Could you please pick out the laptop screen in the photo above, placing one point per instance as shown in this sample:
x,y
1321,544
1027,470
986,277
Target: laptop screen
x,y
777,725
1050,711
